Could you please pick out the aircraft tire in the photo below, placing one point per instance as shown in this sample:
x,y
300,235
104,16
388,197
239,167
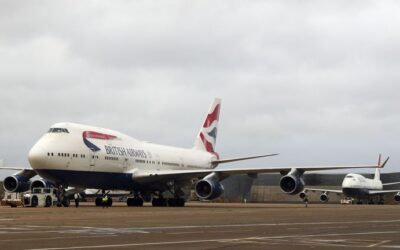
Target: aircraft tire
x,y
180,202
134,202
155,202
129,202
66,202
172,202
97,202
109,202
138,202
159,202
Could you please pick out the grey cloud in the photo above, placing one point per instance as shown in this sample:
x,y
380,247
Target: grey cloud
x,y
315,81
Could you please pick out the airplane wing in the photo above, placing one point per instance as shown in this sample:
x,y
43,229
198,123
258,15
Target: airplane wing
x,y
372,192
224,172
323,190
241,158
26,172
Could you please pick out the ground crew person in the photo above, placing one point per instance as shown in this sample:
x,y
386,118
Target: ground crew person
x,y
105,201
306,202
77,196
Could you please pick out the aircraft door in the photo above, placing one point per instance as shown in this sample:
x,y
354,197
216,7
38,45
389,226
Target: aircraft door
x,y
125,164
158,162
92,159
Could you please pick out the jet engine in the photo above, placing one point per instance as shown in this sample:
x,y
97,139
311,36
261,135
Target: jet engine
x,y
324,197
42,183
303,195
397,197
209,188
16,183
292,183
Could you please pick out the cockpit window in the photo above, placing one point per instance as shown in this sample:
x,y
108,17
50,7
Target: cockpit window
x,y
58,130
349,176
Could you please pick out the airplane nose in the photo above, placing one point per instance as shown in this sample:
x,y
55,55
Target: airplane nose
x,y
36,156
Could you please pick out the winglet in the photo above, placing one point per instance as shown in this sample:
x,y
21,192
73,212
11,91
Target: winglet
x,y
384,163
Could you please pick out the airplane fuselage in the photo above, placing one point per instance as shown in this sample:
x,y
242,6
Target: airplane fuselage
x,y
357,186
90,157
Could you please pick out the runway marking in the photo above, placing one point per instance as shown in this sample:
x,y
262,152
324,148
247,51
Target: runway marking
x,y
194,232
14,228
146,230
265,224
50,238
230,231
379,243
250,239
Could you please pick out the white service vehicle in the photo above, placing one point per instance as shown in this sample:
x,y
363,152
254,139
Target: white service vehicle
x,y
11,199
41,197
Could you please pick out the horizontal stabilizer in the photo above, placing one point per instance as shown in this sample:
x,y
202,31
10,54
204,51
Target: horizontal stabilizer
x,y
241,158
391,183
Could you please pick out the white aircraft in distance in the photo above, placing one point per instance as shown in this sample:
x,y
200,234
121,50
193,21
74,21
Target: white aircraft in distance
x,y
358,187
88,157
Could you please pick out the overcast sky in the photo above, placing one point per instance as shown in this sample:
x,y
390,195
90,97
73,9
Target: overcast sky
x,y
316,81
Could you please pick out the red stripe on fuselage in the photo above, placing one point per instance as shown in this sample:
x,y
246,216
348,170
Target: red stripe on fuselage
x,y
97,135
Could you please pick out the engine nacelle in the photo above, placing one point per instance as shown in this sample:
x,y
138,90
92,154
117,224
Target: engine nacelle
x,y
303,195
324,197
397,197
292,183
209,189
16,184
42,183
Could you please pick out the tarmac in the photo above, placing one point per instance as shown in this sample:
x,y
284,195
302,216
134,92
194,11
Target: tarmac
x,y
202,226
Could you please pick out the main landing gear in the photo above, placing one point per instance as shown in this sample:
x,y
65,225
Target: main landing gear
x,y
134,201
158,201
171,202
177,201
99,200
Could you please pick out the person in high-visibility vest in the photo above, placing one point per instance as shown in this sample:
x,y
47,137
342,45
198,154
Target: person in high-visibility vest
x,y
105,201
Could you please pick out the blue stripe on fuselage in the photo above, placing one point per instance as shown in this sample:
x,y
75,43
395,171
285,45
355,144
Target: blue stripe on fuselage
x,y
90,179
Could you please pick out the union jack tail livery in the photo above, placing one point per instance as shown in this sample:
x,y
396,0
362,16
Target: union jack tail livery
x,y
207,136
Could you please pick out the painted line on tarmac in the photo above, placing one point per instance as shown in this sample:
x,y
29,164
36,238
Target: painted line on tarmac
x,y
146,230
264,224
214,240
379,243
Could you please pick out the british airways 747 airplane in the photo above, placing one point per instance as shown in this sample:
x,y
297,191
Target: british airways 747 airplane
x,y
81,156
360,188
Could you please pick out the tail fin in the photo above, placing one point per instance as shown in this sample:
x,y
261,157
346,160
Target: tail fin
x,y
377,174
207,136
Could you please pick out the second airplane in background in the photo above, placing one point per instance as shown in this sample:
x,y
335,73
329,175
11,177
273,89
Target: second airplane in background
x,y
356,186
